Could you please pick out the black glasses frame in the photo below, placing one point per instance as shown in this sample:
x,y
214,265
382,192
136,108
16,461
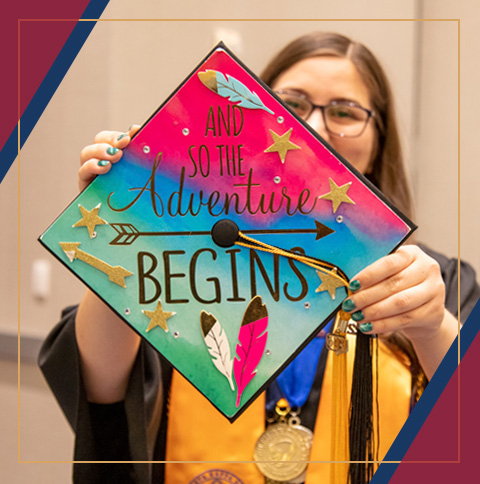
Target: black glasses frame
x,y
322,107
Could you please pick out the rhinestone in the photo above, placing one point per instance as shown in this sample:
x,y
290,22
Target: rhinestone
x,y
94,234
339,219
306,305
185,131
127,311
280,119
176,334
146,149
277,179
268,352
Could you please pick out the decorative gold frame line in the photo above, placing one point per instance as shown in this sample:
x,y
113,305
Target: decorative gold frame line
x,y
243,20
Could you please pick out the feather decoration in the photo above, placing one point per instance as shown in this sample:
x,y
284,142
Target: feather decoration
x,y
252,339
217,344
232,89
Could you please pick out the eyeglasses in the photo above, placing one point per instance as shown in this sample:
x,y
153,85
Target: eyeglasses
x,y
342,118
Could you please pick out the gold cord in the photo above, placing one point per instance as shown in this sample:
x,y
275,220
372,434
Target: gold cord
x,y
322,266
338,344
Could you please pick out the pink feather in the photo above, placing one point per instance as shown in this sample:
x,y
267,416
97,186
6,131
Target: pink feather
x,y
250,349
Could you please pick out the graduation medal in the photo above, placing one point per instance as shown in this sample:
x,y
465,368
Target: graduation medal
x,y
283,450
227,233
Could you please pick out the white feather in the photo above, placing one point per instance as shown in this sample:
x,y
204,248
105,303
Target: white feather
x,y
219,349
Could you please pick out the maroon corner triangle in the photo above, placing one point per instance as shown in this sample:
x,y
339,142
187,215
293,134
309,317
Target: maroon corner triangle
x,y
40,42
437,439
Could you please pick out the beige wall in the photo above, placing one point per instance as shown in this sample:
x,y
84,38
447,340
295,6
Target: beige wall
x,y
127,68
435,180
438,167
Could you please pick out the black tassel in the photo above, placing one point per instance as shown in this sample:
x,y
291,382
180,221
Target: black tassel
x,y
361,412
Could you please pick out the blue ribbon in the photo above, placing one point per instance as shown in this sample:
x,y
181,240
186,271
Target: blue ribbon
x,y
296,381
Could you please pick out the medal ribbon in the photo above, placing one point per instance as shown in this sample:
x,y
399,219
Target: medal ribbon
x,y
295,382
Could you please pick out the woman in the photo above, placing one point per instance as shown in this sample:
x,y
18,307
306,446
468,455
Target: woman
x,y
407,298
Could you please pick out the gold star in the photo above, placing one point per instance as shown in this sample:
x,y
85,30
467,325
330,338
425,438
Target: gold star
x,y
158,317
338,194
90,219
282,144
329,283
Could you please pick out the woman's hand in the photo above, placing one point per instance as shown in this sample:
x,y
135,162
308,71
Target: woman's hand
x,y
405,292
97,159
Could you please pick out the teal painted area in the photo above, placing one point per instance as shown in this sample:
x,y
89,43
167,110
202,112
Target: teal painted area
x,y
290,322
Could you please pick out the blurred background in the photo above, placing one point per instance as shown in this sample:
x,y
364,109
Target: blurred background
x,y
127,68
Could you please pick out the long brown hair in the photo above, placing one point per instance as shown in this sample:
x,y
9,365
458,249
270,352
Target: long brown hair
x,y
387,172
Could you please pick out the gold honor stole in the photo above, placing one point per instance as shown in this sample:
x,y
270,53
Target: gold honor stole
x,y
200,439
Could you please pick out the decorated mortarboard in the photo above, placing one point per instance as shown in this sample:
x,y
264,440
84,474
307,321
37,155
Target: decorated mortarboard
x,y
227,233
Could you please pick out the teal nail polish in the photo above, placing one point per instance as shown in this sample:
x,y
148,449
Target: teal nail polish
x,y
358,316
354,285
103,162
365,327
111,150
122,136
348,305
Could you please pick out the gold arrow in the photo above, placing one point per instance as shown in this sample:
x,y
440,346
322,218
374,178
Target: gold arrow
x,y
116,274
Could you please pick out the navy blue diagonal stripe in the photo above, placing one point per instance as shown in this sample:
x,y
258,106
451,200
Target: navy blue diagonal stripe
x,y
50,84
429,398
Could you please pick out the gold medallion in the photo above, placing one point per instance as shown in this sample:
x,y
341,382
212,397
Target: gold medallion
x,y
282,451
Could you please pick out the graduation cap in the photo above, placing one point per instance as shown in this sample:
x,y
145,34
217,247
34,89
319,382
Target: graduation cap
x,y
227,234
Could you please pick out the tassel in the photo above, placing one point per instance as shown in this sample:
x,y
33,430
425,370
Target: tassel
x,y
339,473
361,413
339,420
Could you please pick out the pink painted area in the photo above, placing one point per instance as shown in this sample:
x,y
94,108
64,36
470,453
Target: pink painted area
x,y
252,340
310,167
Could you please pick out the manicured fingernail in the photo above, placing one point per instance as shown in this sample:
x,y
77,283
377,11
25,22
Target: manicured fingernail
x,y
358,316
103,162
354,285
365,327
111,150
348,305
122,136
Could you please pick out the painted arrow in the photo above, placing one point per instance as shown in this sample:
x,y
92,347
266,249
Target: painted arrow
x,y
116,274
127,233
